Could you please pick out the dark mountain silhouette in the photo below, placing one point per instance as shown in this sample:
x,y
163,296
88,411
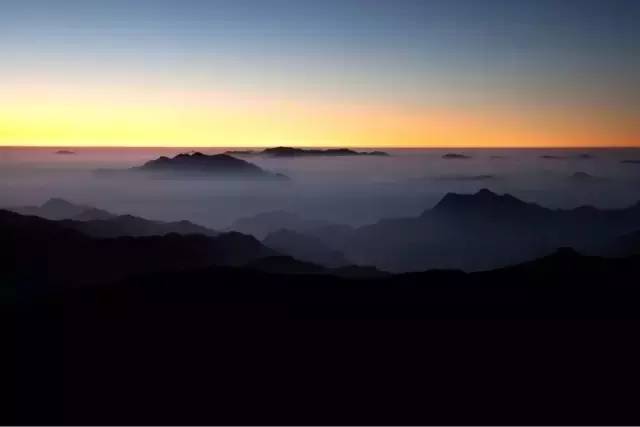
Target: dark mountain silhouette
x,y
57,208
333,235
553,157
160,348
65,152
100,223
631,162
585,178
285,265
584,156
128,225
218,165
93,214
455,156
240,152
63,251
304,248
482,231
629,244
262,224
484,203
299,152
199,165
290,265
193,330
625,245
466,178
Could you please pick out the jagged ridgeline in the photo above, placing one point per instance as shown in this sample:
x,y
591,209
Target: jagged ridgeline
x,y
199,165
301,152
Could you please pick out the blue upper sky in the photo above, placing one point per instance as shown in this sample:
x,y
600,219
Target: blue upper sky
x,y
456,53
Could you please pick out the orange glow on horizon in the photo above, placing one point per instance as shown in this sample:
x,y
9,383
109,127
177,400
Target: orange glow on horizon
x,y
67,116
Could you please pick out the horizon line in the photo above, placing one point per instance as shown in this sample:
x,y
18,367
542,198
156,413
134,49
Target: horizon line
x,y
469,147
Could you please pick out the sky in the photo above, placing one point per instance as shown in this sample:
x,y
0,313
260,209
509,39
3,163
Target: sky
x,y
250,73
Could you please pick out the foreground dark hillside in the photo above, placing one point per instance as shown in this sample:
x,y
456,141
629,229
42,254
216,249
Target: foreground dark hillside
x,y
277,341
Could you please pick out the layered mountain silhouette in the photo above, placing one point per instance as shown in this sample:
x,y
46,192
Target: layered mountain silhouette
x,y
300,152
133,226
305,248
481,231
262,224
487,177
57,208
584,178
583,156
156,330
484,203
455,156
311,331
199,165
66,251
218,165
624,245
100,223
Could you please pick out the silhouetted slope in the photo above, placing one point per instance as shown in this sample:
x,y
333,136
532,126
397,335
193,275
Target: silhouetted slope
x,y
564,284
285,265
93,214
485,204
621,246
174,340
584,178
264,223
304,248
56,209
56,251
218,165
128,225
482,231
335,152
289,265
456,156
100,223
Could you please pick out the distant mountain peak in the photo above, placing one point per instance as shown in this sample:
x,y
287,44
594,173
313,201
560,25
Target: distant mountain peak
x,y
292,152
565,252
215,164
57,202
482,201
485,192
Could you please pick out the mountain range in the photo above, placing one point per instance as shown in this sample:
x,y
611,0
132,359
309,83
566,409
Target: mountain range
x,y
68,252
483,231
472,232
230,334
56,209
96,222
199,165
300,152
195,329
262,224
305,248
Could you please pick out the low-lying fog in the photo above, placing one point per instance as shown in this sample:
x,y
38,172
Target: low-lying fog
x,y
352,190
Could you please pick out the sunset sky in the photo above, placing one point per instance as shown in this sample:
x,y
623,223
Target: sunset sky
x,y
369,73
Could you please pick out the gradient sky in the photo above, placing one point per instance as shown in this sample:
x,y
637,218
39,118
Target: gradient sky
x,y
320,73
